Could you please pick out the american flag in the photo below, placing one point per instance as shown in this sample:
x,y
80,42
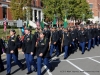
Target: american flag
x,y
5,26
38,24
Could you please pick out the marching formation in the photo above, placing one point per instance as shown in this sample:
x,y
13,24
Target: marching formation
x,y
48,42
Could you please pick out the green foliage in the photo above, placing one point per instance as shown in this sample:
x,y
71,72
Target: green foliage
x,y
76,9
17,8
52,7
73,8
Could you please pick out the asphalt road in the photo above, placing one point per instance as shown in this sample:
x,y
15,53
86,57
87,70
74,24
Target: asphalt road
x,y
75,64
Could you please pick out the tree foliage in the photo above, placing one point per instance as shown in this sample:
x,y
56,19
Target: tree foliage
x,y
17,8
73,8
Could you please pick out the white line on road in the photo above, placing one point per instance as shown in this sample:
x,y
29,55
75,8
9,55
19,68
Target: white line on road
x,y
94,60
57,57
49,73
77,67
84,58
57,60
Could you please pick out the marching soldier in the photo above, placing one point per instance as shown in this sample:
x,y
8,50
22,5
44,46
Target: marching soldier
x,y
93,36
82,39
73,37
12,51
54,42
28,49
89,37
42,52
60,32
66,42
1,63
99,33
47,33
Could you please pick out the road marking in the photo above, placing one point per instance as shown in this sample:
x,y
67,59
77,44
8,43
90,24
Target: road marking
x,y
49,73
55,57
57,60
84,58
94,60
77,67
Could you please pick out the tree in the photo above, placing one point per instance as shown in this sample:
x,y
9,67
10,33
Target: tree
x,y
74,9
78,9
17,8
57,7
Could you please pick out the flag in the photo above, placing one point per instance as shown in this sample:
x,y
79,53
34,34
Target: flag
x,y
42,23
65,22
37,23
5,25
57,23
54,20
27,24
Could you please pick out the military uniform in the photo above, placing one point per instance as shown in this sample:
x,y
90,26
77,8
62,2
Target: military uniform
x,y
73,37
54,38
66,43
93,37
1,63
28,47
82,40
12,45
42,47
89,38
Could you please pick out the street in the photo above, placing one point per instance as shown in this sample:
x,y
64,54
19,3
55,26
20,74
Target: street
x,y
75,64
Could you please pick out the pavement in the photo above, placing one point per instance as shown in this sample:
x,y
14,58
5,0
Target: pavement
x,y
75,64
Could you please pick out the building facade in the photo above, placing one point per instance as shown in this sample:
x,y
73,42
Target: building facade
x,y
95,6
5,12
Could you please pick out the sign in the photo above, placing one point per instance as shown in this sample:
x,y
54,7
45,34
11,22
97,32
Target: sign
x,y
19,23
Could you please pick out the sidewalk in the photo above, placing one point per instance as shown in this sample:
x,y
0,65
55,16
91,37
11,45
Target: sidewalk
x,y
19,51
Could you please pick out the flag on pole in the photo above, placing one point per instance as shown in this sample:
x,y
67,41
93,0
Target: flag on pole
x,y
57,23
54,20
42,23
37,23
5,25
65,22
28,24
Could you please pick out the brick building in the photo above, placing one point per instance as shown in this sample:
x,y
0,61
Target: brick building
x,y
95,6
6,13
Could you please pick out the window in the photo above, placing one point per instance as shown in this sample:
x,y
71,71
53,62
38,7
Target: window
x,y
91,5
4,12
41,4
34,2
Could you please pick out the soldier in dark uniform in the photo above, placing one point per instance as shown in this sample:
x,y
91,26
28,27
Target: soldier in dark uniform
x,y
1,63
89,37
12,51
99,33
47,33
54,42
66,42
82,39
60,33
36,33
28,49
42,52
76,37
93,36
73,37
